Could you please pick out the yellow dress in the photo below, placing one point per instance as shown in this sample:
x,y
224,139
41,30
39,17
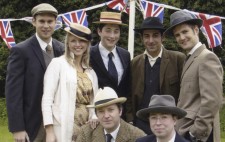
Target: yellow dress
x,y
84,94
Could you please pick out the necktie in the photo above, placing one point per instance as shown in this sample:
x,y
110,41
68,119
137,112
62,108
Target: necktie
x,y
48,49
108,137
112,68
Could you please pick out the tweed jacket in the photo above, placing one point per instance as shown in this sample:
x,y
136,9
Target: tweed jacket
x,y
59,98
104,78
24,85
201,95
170,72
126,133
152,138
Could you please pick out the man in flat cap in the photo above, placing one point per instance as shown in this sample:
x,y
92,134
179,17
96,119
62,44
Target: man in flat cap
x,y
108,108
156,71
27,63
162,115
111,62
201,81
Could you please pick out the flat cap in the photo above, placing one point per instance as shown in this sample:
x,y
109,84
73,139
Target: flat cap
x,y
44,8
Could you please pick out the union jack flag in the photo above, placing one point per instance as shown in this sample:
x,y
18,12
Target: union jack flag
x,y
58,22
211,28
119,5
6,33
152,10
78,16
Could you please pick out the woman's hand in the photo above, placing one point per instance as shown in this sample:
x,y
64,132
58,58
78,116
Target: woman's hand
x,y
93,122
50,135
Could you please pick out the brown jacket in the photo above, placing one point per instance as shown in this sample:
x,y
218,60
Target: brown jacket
x,y
126,133
170,72
201,95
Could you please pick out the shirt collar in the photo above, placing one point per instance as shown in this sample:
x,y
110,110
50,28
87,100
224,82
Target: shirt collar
x,y
104,52
114,133
149,56
42,43
195,48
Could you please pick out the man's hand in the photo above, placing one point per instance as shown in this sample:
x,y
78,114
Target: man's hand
x,y
21,136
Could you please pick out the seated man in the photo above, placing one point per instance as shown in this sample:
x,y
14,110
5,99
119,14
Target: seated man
x,y
112,128
162,115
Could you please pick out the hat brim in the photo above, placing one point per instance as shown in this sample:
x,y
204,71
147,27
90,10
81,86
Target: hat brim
x,y
143,114
114,101
140,30
67,29
169,31
105,22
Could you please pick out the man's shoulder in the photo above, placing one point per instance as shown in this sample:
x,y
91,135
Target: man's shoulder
x,y
147,138
120,49
23,44
174,53
131,130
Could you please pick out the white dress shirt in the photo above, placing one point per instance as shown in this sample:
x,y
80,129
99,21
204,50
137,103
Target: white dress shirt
x,y
195,48
42,43
151,59
113,134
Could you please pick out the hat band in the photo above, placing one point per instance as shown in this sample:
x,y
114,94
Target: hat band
x,y
179,20
110,20
103,101
81,34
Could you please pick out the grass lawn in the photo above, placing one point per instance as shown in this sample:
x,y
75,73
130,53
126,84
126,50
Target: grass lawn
x,y
5,135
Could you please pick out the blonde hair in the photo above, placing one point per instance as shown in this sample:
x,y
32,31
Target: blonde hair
x,y
85,58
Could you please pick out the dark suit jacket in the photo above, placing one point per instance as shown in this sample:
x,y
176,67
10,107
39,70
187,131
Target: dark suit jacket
x,y
170,73
24,85
152,138
104,78
126,133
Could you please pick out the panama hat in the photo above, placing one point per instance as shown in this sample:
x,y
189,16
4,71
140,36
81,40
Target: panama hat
x,y
105,97
79,31
180,17
161,104
110,18
44,8
150,23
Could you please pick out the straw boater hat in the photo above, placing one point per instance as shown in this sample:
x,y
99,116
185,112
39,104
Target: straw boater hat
x,y
180,17
79,31
105,97
44,8
151,23
110,18
161,104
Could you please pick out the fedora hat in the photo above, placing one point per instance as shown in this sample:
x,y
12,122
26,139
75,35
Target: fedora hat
x,y
161,104
44,8
180,17
110,18
105,97
150,23
79,31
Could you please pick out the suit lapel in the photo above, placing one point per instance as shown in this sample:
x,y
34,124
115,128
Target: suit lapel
x,y
98,59
163,65
122,135
38,51
56,49
122,61
191,59
98,134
